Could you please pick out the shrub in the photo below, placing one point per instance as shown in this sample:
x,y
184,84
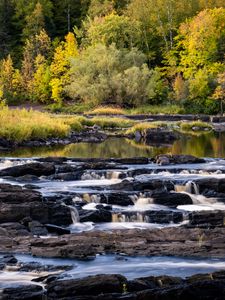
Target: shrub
x,y
106,75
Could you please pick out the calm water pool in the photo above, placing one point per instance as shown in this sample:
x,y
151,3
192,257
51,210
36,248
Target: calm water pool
x,y
205,145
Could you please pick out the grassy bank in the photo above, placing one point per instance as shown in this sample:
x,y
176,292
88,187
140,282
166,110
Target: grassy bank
x,y
111,110
22,125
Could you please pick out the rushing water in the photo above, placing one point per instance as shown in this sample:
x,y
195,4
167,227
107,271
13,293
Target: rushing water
x,y
131,267
204,145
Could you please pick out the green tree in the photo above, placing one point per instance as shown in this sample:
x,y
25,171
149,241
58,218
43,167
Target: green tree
x,y
219,93
6,27
120,30
35,22
107,75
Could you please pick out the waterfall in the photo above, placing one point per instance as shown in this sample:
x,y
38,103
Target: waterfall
x,y
113,175
190,187
74,215
144,201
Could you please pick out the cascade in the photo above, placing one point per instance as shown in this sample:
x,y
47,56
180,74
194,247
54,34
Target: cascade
x,y
74,215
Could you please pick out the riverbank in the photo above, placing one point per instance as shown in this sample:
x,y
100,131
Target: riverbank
x,y
22,128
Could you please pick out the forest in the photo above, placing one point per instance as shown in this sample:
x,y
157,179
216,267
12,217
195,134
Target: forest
x,y
131,54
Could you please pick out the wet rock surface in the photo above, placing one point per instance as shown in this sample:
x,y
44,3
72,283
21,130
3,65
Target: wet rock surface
x,y
45,204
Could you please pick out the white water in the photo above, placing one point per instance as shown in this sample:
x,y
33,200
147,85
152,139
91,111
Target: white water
x,y
74,215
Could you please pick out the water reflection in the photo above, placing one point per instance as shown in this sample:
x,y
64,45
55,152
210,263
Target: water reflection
x,y
205,145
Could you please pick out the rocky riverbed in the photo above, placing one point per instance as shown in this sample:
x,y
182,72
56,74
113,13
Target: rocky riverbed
x,y
78,209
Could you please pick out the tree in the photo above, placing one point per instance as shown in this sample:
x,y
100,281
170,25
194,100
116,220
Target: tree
x,y
120,30
100,8
6,27
41,80
160,20
60,66
219,93
39,44
35,22
10,80
202,42
180,87
67,14
107,75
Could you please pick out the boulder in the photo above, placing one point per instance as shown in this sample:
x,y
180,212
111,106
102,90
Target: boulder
x,y
37,169
164,159
91,285
207,218
171,199
22,292
96,216
120,198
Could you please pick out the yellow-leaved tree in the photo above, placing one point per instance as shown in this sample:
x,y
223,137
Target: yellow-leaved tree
x,y
60,67
10,80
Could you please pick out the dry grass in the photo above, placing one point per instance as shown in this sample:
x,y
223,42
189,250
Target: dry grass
x,y
21,125
106,110
143,127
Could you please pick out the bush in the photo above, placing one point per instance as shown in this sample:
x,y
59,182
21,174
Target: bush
x,y
202,106
106,75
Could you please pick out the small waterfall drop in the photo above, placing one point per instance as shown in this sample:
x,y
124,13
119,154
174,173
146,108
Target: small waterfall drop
x,y
74,215
113,175
190,187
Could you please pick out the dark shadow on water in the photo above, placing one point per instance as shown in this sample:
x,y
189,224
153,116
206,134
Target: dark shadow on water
x,y
204,145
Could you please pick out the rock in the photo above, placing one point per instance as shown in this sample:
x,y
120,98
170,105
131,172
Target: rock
x,y
28,178
96,216
132,161
213,184
178,159
37,169
159,135
68,176
122,199
9,259
57,229
16,195
15,229
52,159
38,267
91,285
171,199
36,228
207,218
142,184
209,290
22,292
59,215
